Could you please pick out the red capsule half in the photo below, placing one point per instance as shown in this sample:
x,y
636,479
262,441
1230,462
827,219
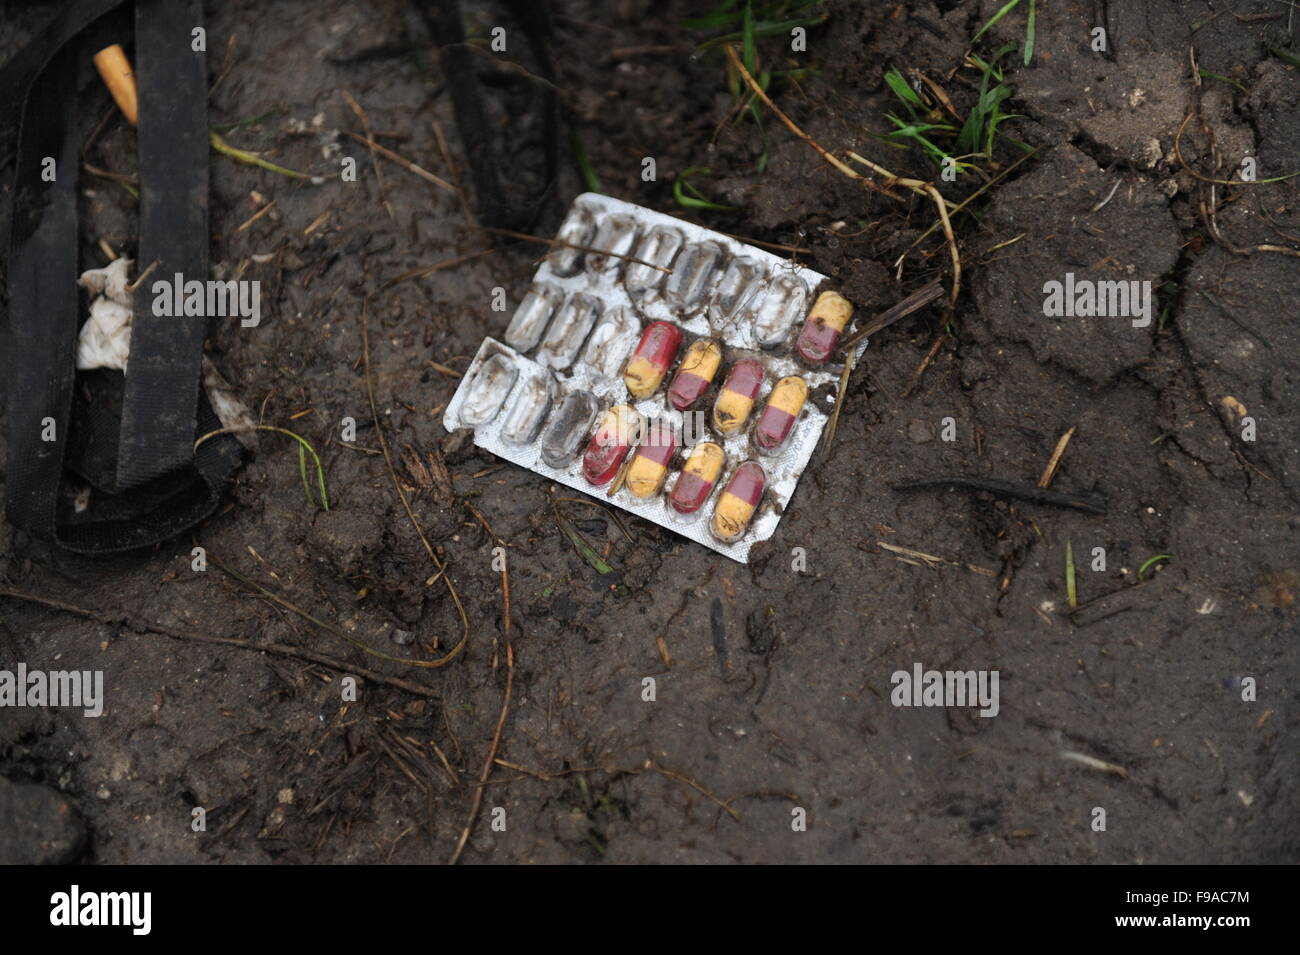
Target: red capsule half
x,y
779,415
823,327
695,483
652,358
739,500
619,430
699,365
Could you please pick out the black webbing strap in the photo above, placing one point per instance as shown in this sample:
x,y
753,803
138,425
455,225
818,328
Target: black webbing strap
x,y
164,408
459,70
162,382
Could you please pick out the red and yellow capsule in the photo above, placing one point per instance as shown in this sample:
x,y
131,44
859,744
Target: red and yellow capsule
x,y
822,328
780,413
619,429
736,505
699,365
649,467
695,483
651,359
736,399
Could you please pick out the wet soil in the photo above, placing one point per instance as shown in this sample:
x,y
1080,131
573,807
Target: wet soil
x,y
772,680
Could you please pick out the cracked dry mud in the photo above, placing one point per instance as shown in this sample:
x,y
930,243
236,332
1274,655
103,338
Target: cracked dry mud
x,y
778,690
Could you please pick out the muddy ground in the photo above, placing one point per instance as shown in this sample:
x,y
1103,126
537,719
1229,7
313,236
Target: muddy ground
x,y
776,696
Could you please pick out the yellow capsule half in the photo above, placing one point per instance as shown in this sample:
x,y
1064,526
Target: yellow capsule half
x,y
736,399
736,506
645,475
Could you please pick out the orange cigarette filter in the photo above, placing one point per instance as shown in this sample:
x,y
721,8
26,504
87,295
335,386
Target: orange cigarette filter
x,y
115,70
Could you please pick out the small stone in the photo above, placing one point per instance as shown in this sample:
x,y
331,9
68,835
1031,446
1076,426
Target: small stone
x,y
403,638
38,826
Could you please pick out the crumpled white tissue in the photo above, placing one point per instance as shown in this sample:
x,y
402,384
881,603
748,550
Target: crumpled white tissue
x,y
105,340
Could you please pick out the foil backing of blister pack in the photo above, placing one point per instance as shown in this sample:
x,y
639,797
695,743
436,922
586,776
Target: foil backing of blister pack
x,y
564,354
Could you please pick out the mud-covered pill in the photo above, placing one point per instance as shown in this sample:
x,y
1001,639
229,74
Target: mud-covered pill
x,y
578,228
700,474
531,405
738,501
568,331
493,381
777,309
780,413
692,274
619,430
531,317
645,475
823,327
658,248
613,338
568,429
653,356
695,374
736,399
615,239
740,281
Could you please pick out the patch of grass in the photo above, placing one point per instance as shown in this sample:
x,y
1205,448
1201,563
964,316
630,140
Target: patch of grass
x,y
921,127
926,128
696,199
747,23
304,448
1031,26
774,18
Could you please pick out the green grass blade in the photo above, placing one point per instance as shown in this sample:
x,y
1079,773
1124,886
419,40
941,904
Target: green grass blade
x,y
304,444
585,169
995,18
1146,565
766,28
723,15
1029,31
251,159
1071,592
903,89
695,201
580,544
747,38
1285,55
302,471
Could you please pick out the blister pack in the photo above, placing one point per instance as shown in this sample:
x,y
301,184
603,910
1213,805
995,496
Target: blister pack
x,y
673,371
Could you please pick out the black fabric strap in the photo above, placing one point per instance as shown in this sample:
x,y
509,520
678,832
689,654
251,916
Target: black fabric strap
x,y
162,382
459,70
164,407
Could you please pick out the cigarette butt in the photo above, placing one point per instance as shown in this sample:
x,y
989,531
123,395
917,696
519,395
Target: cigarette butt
x,y
115,70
